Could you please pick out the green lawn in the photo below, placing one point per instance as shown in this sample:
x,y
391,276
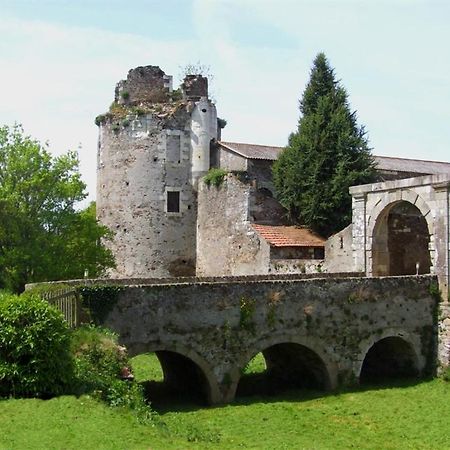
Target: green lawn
x,y
403,417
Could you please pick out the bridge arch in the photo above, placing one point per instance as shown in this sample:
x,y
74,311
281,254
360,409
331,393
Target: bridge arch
x,y
400,231
287,358
394,354
182,367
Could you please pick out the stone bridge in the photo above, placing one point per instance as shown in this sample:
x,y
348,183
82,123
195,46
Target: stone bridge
x,y
321,333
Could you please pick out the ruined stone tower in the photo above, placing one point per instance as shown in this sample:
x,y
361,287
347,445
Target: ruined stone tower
x,y
154,144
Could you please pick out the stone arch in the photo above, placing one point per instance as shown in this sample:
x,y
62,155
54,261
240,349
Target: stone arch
x,y
307,350
182,364
390,355
378,254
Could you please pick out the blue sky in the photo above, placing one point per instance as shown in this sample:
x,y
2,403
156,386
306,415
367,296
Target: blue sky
x,y
60,61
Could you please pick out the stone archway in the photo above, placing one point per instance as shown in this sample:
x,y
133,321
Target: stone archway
x,y
401,241
290,363
184,371
389,358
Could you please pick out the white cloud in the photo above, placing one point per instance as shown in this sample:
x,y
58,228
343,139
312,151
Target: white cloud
x,y
56,78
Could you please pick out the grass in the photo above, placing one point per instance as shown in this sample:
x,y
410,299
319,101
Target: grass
x,y
402,416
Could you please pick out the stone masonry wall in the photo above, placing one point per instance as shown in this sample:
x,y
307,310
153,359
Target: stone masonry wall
x,y
231,161
153,148
226,243
222,325
134,174
144,84
338,251
430,194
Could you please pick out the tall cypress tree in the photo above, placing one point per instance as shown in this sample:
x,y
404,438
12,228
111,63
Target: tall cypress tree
x,y
326,155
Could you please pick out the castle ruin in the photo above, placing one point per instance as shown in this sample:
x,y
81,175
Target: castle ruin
x,y
154,145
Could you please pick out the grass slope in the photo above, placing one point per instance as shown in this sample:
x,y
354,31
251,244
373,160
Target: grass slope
x,y
413,416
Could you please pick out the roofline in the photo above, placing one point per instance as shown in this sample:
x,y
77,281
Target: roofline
x,y
411,159
281,148
244,155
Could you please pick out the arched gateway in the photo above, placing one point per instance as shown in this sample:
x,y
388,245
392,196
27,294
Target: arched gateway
x,y
400,241
401,227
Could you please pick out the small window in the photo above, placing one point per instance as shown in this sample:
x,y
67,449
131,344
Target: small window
x,y
173,201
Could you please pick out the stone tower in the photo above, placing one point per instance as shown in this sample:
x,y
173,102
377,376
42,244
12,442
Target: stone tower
x,y
154,144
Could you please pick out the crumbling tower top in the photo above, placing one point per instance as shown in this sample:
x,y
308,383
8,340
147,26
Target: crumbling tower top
x,y
144,84
194,87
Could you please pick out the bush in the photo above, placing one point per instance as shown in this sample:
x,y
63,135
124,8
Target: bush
x,y
215,176
34,348
98,361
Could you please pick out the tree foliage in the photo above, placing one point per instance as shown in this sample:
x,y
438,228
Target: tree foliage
x,y
42,236
326,155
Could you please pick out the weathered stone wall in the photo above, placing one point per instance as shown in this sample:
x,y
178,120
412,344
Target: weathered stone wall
x,y
152,150
338,251
144,84
261,171
231,161
285,266
222,325
226,242
134,174
371,205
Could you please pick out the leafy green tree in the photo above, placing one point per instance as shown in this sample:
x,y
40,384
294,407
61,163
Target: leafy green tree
x,y
42,236
326,155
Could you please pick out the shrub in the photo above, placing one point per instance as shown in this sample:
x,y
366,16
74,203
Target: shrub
x,y
98,361
215,177
34,348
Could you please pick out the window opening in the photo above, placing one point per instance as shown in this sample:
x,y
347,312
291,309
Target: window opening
x,y
173,201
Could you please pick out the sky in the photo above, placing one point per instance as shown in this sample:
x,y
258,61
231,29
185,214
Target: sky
x,y
61,59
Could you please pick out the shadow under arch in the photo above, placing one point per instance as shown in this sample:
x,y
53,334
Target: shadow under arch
x,y
388,358
290,363
185,372
401,240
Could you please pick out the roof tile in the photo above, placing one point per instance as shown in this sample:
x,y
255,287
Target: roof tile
x,y
289,236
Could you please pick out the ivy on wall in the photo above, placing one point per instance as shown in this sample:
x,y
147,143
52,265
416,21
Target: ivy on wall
x,y
99,300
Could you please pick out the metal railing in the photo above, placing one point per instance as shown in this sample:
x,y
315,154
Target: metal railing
x,y
68,301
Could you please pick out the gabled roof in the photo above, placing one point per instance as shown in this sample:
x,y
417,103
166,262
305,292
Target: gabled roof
x,y
253,151
384,163
288,236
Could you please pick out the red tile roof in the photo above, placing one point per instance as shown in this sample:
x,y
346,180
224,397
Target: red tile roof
x,y
289,236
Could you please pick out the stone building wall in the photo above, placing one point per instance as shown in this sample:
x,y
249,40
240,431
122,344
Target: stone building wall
x,y
371,206
338,252
231,161
152,150
226,242
134,175
261,171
